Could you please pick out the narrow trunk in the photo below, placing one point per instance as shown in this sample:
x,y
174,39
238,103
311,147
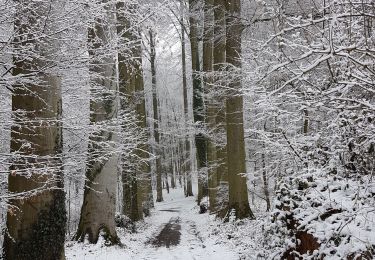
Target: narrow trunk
x,y
36,221
221,148
189,188
238,195
265,182
159,188
211,105
198,105
99,201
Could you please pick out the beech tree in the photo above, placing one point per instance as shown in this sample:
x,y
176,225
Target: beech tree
x,y
36,217
159,185
198,99
219,59
238,195
98,209
136,176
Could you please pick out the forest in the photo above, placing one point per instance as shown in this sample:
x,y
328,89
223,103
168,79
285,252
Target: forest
x,y
187,129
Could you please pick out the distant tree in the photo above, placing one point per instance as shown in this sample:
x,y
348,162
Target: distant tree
x,y
159,184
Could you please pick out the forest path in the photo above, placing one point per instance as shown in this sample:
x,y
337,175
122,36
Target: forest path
x,y
170,235
183,232
175,230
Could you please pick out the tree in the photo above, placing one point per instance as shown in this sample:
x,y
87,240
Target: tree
x,y
137,193
211,108
36,218
187,162
238,196
159,185
98,209
198,102
219,59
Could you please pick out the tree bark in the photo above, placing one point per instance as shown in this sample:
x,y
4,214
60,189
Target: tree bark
x,y
187,163
159,187
219,57
198,104
138,179
238,195
36,220
99,202
208,46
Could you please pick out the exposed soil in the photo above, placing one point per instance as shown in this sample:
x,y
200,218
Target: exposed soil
x,y
170,235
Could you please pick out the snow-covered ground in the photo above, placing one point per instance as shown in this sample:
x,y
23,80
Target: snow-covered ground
x,y
196,242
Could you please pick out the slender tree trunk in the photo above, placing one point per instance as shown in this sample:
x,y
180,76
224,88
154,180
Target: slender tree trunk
x,y
238,195
221,148
211,106
198,104
36,221
189,187
265,182
173,180
159,187
99,202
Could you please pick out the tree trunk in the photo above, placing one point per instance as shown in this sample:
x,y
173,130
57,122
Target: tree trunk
x,y
187,163
99,201
198,104
159,187
132,91
238,195
211,106
221,148
36,220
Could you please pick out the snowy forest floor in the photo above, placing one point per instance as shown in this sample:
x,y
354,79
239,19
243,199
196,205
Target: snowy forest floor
x,y
175,230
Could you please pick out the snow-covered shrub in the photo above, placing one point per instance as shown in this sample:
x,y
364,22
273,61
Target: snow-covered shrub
x,y
319,216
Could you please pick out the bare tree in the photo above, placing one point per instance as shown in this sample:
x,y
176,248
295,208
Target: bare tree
x,y
99,204
36,218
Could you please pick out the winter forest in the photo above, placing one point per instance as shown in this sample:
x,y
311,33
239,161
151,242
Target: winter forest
x,y
187,129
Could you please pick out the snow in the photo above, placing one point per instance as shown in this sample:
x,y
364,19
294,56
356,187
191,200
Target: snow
x,y
197,240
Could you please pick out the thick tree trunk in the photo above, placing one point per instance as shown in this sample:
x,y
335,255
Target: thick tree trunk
x,y
132,90
36,221
98,209
198,104
221,148
159,187
238,195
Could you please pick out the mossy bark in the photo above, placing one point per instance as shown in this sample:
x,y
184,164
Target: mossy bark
x,y
36,220
198,103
